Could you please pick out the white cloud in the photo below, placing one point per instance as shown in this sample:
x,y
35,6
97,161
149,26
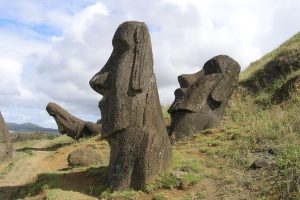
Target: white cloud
x,y
57,65
10,71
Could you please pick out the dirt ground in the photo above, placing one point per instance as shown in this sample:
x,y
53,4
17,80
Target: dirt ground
x,y
42,164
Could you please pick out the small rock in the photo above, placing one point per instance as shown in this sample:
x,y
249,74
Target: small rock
x,y
268,150
183,186
84,157
179,174
262,162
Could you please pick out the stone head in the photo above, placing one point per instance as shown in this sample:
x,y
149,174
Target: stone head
x,y
210,86
125,77
205,92
66,123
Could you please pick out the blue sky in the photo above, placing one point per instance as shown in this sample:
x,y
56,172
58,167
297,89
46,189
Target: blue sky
x,y
50,49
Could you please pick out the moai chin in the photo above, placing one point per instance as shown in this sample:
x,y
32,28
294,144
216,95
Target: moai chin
x,y
6,148
132,121
202,97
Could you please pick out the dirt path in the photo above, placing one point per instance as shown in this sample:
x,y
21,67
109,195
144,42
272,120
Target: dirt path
x,y
24,170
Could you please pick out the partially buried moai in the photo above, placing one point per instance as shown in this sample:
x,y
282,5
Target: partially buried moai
x,y
6,148
132,121
202,97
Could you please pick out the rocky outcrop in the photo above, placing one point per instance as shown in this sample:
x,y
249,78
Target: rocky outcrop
x,y
202,97
71,125
132,121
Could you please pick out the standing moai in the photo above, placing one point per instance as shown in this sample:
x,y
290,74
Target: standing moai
x,y
202,97
132,120
6,148
71,125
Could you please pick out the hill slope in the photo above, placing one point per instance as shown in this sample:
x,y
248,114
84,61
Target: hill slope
x,y
29,127
275,76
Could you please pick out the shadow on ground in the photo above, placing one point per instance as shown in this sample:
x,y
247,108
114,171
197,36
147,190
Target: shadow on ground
x,y
90,182
52,148
9,192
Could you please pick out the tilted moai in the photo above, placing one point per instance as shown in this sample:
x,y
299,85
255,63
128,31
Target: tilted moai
x,y
6,148
132,121
70,125
201,99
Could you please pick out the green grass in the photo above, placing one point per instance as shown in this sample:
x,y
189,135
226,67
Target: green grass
x,y
125,194
63,139
200,195
160,196
164,109
255,127
191,169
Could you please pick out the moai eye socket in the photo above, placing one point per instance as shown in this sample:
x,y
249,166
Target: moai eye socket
x,y
212,67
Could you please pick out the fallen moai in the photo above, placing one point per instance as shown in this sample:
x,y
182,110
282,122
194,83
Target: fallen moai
x,y
202,97
70,125
6,148
132,121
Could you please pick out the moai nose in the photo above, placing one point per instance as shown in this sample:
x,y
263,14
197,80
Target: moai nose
x,y
98,82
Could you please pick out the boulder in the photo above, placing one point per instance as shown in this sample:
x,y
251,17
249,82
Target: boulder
x,y
84,157
262,162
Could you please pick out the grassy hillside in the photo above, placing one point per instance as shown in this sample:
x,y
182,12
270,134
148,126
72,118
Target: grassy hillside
x,y
265,110
215,164
274,77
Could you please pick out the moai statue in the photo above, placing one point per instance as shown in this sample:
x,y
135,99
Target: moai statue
x,y
70,125
6,148
201,99
132,121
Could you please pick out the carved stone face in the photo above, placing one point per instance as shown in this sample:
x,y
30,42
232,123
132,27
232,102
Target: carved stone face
x,y
66,123
205,92
71,125
124,76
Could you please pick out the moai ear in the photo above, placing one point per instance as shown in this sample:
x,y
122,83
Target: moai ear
x,y
228,82
137,77
220,92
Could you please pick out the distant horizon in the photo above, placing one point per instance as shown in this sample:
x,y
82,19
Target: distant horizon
x,y
30,123
51,49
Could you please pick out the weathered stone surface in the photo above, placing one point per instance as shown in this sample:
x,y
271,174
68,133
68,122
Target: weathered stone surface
x,y
84,157
201,99
6,149
70,125
132,121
